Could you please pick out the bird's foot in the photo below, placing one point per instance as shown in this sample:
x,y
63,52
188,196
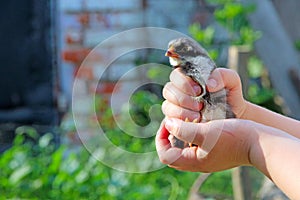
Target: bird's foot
x,y
200,98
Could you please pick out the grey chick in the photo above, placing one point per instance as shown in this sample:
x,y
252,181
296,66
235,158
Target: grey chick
x,y
193,61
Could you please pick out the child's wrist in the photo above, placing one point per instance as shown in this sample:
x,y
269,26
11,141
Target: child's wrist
x,y
245,110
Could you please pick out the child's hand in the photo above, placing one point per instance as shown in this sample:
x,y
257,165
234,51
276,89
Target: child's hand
x,y
179,91
221,144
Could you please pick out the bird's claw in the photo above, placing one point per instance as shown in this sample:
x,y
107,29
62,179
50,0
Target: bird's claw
x,y
200,98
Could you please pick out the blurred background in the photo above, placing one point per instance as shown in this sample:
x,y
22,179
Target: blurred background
x,y
43,44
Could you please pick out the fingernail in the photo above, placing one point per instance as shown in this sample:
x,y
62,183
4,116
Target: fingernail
x,y
212,83
197,89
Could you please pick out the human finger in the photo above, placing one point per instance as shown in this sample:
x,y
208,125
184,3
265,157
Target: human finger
x,y
177,97
222,144
172,156
186,131
172,110
185,83
223,78
166,153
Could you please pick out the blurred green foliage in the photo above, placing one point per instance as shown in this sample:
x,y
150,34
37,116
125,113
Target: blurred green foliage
x,y
140,105
297,45
223,182
34,168
232,15
260,90
142,120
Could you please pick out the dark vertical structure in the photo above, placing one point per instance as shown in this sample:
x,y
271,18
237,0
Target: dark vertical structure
x,y
27,66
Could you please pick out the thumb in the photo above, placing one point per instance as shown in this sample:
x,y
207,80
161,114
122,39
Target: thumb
x,y
205,135
223,78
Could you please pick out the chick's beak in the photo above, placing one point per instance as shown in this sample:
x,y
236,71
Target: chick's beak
x,y
170,53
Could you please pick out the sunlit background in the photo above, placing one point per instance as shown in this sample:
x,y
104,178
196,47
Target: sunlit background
x,y
43,46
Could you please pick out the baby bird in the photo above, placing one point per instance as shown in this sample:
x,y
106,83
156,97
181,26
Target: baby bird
x,y
193,61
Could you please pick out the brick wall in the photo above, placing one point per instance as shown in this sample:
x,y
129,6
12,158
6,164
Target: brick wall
x,y
86,23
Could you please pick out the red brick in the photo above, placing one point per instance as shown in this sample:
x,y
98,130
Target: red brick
x,y
84,18
71,40
104,87
84,72
76,55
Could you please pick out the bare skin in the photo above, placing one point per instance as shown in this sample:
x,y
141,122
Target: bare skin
x,y
258,137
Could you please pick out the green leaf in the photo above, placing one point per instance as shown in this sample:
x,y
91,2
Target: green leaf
x,y
220,1
229,12
297,45
27,130
81,176
204,36
18,140
19,173
259,95
45,140
57,159
255,67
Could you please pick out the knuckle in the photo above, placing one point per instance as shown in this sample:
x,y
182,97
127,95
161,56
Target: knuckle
x,y
181,113
188,88
177,131
181,100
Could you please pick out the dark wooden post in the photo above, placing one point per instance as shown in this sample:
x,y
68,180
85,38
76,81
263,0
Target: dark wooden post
x,y
238,57
241,182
